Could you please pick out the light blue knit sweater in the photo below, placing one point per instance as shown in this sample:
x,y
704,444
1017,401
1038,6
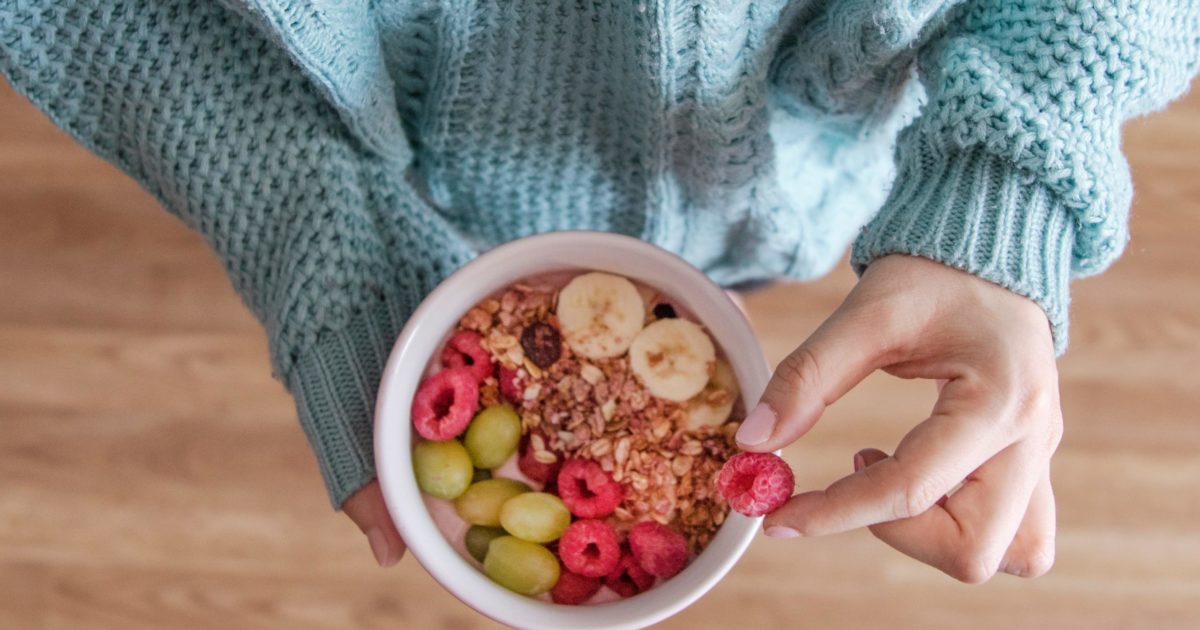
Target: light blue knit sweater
x,y
343,156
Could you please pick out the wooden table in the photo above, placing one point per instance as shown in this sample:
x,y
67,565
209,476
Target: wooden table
x,y
153,475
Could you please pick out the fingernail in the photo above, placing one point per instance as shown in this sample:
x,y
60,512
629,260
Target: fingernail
x,y
380,547
860,462
758,426
779,531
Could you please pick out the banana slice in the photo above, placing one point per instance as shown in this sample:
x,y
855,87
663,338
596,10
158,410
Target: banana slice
x,y
673,358
600,314
714,403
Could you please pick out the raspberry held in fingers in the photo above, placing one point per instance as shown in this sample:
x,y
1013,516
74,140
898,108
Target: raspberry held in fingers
x,y
756,483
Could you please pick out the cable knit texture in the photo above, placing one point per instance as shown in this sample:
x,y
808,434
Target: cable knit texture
x,y
343,156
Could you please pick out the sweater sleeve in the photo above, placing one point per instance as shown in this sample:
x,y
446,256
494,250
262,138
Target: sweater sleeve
x,y
319,231
1013,171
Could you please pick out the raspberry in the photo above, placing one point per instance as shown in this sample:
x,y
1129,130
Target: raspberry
x,y
660,550
574,589
756,483
587,489
465,350
590,548
628,579
511,386
535,470
445,403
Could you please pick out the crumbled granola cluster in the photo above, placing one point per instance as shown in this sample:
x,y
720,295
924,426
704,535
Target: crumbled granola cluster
x,y
597,409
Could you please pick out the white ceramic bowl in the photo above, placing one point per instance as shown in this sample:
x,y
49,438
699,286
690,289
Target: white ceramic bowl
x,y
422,337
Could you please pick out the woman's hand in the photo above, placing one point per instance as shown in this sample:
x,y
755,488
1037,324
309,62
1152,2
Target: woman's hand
x,y
367,510
995,425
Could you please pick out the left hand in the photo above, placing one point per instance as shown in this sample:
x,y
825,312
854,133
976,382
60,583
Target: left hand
x,y
995,425
367,509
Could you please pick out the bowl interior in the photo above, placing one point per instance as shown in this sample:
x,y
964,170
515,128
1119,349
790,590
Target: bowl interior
x,y
422,337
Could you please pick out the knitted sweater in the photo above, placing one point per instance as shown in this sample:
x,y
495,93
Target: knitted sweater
x,y
343,156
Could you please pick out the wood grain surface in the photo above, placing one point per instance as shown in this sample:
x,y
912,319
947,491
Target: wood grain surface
x,y
152,475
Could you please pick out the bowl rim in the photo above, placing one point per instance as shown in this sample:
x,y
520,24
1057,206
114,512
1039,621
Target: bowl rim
x,y
405,502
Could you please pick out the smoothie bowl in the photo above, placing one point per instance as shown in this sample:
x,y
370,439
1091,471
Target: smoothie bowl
x,y
551,425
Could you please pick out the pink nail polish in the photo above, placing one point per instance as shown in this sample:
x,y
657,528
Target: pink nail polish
x,y
779,531
758,425
380,547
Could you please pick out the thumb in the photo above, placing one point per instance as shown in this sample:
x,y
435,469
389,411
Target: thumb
x,y
842,352
367,509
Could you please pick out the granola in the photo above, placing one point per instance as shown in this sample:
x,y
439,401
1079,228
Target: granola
x,y
597,409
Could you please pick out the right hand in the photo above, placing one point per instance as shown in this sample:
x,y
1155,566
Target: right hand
x,y
986,444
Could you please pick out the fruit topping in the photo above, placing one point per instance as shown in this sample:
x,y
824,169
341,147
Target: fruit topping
x,y
573,589
493,436
478,539
628,579
673,358
590,548
714,403
600,314
521,566
535,461
542,344
587,489
443,469
511,387
444,404
480,504
465,350
538,517
660,550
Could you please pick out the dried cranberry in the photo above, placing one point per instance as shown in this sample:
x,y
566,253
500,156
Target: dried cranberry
x,y
542,344
664,311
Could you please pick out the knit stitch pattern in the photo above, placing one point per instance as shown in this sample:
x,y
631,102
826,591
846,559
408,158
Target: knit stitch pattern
x,y
342,157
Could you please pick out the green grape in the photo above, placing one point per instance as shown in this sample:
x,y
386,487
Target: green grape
x,y
443,469
535,516
478,538
480,504
493,435
521,566
481,474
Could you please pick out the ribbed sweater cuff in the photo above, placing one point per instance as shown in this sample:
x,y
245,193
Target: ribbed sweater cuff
x,y
334,383
976,212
